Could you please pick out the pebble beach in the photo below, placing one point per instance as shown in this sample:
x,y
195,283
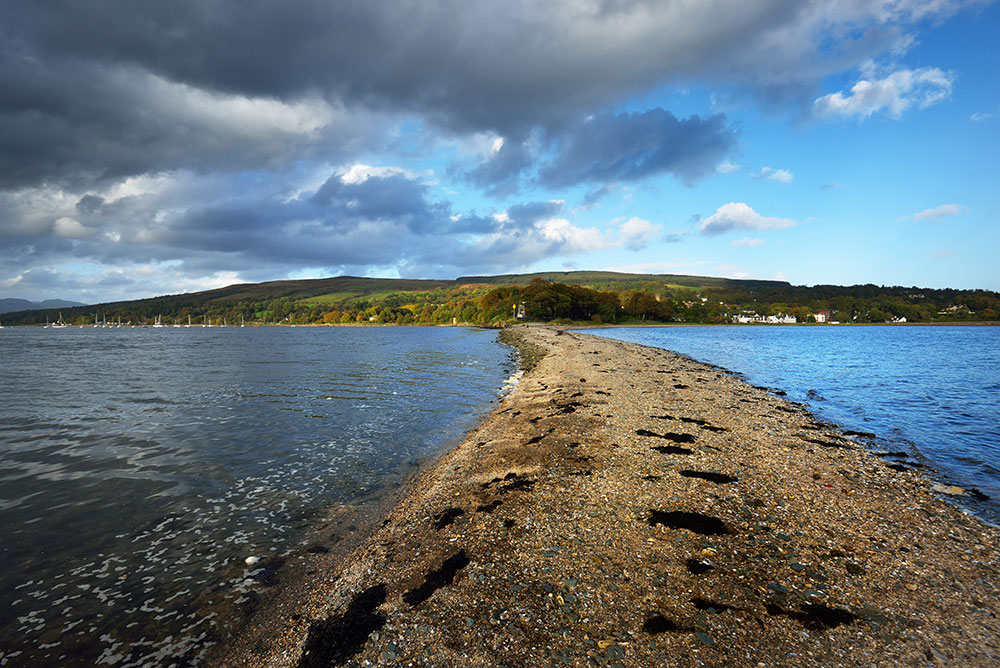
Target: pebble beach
x,y
628,506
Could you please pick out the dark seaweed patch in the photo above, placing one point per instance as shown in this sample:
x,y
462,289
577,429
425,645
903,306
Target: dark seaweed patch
x,y
978,495
489,507
710,607
670,436
826,444
436,579
859,434
446,517
697,421
695,522
814,616
672,450
535,439
717,478
697,567
318,549
657,623
651,478
680,386
517,483
709,427
896,467
334,640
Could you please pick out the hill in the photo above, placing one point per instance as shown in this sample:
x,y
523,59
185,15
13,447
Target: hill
x,y
10,304
596,296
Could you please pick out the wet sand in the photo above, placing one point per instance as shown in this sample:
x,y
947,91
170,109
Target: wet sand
x,y
626,506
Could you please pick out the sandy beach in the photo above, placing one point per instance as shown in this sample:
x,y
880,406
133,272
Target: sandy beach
x,y
627,506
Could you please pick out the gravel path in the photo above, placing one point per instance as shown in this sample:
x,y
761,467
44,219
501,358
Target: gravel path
x,y
626,506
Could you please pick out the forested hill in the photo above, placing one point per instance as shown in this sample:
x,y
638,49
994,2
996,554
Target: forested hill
x,y
592,296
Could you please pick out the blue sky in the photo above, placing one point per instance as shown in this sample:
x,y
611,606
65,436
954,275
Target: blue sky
x,y
148,151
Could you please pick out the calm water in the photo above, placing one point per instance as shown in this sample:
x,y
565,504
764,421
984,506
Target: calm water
x,y
140,467
933,391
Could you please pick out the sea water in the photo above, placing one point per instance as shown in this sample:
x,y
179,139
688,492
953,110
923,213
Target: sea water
x,y
933,391
141,468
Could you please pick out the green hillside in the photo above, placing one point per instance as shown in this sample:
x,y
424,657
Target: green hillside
x,y
592,296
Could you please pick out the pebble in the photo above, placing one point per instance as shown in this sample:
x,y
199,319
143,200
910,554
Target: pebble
x,y
951,490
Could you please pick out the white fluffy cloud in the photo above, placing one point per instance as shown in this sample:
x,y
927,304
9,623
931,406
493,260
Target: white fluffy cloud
x,y
772,174
726,167
894,93
938,212
569,238
739,216
636,233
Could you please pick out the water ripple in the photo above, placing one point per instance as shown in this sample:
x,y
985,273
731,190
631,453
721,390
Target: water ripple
x,y
140,468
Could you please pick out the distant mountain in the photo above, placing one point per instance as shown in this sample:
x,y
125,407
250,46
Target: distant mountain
x,y
9,305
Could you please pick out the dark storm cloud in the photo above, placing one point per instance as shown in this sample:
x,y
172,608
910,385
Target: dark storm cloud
x,y
394,197
612,147
501,173
120,87
529,213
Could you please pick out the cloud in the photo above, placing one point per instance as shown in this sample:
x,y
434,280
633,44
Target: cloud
x,y
608,148
980,116
673,266
200,140
894,94
726,167
192,231
731,271
529,213
746,242
631,146
501,173
121,88
939,212
636,233
771,174
739,216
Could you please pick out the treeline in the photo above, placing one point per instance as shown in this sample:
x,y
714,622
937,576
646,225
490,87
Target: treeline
x,y
541,300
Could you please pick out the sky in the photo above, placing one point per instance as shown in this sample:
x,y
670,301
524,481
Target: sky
x,y
152,148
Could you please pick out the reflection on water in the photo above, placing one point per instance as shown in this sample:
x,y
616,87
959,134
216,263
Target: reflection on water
x,y
140,468
931,390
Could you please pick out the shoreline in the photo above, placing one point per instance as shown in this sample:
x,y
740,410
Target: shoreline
x,y
626,505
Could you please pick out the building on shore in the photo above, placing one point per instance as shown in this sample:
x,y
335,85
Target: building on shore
x,y
750,318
